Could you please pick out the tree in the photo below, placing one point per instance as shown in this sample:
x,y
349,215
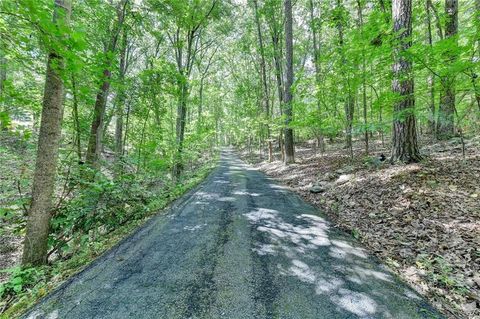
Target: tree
x,y
364,75
274,20
96,131
288,111
38,223
315,27
120,103
446,111
349,105
185,42
405,145
263,75
431,76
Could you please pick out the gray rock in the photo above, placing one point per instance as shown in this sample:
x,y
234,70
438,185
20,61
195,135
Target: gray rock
x,y
342,179
320,187
315,189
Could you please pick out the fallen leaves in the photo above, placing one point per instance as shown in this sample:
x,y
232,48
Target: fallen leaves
x,y
423,219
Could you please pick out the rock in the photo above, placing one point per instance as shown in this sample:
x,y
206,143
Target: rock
x,y
342,179
320,187
317,189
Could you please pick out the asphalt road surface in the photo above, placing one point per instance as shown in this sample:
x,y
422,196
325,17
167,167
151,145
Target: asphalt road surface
x,y
239,246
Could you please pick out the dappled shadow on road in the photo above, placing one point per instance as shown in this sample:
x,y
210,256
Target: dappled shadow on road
x,y
305,250
296,247
308,250
297,242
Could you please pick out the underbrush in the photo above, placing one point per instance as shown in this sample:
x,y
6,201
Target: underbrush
x,y
94,210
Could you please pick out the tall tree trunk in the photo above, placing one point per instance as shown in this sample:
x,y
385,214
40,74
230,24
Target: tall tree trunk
x,y
405,145
289,146
263,71
38,223
127,121
96,131
120,105
76,120
476,86
350,99
180,129
280,90
200,105
314,27
431,77
278,69
3,78
446,111
364,78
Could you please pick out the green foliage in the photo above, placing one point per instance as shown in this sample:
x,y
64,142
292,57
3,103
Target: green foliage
x,y
439,271
20,280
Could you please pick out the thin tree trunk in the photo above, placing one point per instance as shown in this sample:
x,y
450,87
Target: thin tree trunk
x,y
180,130
405,145
3,78
38,223
120,105
431,77
277,48
96,131
318,73
142,140
289,146
476,87
200,105
263,69
364,79
76,120
127,122
446,111
350,100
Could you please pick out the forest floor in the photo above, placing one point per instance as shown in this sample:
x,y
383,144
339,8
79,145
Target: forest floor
x,y
423,220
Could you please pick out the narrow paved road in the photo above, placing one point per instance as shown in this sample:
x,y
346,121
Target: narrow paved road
x,y
239,247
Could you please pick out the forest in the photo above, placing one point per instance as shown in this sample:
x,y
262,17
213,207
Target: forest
x,y
110,110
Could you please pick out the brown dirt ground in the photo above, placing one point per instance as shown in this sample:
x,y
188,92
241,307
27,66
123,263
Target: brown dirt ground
x,y
423,220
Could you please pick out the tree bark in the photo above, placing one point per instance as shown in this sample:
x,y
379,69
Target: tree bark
x,y
318,73
476,87
96,131
446,111
38,223
180,129
263,69
405,145
431,77
364,79
350,98
184,67
289,146
76,120
120,105
3,78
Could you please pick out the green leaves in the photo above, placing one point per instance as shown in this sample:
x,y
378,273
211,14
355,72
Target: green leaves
x,y
20,280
